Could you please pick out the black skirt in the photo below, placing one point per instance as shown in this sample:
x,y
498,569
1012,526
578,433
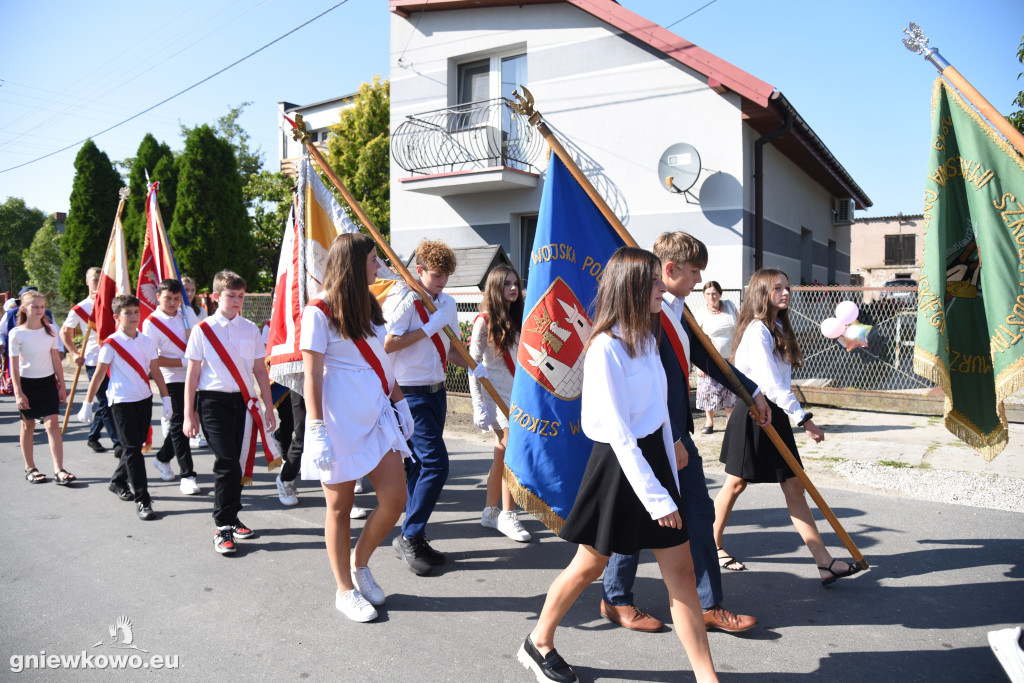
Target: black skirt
x,y
749,454
43,400
608,514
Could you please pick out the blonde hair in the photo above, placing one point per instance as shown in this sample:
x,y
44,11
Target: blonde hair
x,y
679,248
26,299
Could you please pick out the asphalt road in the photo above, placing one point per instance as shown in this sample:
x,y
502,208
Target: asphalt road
x,y
76,559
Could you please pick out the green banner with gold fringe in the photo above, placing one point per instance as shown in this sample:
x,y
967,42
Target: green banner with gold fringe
x,y
970,318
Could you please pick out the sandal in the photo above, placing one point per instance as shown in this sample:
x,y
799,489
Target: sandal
x,y
729,562
34,476
708,430
850,571
63,477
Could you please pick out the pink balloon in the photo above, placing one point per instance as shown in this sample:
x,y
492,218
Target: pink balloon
x,y
847,312
832,328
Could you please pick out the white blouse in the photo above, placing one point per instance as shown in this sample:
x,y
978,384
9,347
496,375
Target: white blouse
x,y
625,399
719,327
33,349
482,352
756,358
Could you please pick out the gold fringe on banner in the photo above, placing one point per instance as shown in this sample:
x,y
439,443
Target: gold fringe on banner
x,y
531,503
274,464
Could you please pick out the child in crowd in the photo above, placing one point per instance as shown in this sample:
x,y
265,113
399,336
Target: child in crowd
x,y
132,360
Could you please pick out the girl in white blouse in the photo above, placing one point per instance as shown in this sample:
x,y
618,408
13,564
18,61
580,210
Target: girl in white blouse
x,y
38,380
629,496
351,428
493,344
766,353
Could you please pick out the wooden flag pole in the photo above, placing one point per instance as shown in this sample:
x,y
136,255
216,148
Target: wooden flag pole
x,y
524,105
302,135
917,43
81,352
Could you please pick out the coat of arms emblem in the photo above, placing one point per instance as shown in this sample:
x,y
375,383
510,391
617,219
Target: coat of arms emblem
x,y
551,342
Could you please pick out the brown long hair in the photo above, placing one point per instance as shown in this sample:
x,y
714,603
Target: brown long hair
x,y
504,321
26,299
756,306
354,311
624,299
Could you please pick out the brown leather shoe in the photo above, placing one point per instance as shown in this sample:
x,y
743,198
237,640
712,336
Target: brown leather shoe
x,y
630,617
722,619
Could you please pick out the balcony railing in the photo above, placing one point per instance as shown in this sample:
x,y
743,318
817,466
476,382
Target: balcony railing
x,y
466,137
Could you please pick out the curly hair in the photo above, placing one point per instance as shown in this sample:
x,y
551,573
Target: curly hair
x,y
435,255
504,320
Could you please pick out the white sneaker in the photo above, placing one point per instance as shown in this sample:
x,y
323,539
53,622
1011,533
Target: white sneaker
x,y
367,587
286,492
1005,645
189,486
509,524
197,441
358,513
354,606
164,468
489,517
359,486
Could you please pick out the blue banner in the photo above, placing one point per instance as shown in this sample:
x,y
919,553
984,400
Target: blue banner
x,y
547,451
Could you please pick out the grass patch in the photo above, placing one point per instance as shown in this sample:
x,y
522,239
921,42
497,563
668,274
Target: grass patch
x,y
894,463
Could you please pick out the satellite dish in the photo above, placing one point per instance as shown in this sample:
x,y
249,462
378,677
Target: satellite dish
x,y
679,167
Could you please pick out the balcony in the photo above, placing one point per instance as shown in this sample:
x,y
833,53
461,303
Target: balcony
x,y
476,147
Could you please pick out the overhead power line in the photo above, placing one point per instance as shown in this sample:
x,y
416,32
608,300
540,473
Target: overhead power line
x,y
180,92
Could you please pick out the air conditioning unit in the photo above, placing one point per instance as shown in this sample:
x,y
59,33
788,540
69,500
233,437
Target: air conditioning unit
x,y
842,211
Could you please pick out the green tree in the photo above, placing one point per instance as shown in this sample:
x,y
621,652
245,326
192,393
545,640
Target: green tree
x,y
146,159
250,161
42,258
358,151
210,230
94,199
1016,118
270,198
18,223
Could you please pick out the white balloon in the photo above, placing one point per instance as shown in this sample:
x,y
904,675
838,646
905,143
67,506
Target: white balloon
x,y
832,328
847,312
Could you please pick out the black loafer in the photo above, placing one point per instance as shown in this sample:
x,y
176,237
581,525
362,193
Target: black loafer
x,y
146,511
548,668
121,492
96,445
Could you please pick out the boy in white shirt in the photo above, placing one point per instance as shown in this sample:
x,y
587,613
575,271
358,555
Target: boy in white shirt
x,y
223,347
169,327
132,360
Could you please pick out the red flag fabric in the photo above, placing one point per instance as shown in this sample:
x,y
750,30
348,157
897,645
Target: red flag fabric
x,y
157,259
114,280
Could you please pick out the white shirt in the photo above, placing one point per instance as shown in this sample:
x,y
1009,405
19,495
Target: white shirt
x,y
625,399
756,358
164,346
719,327
420,363
126,385
92,347
243,343
33,347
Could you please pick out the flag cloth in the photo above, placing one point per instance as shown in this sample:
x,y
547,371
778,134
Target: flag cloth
x,y
547,451
970,318
158,262
113,281
316,218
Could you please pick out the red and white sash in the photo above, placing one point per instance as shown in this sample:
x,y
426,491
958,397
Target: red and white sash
x,y
679,340
247,456
82,314
505,356
368,355
436,338
168,332
135,365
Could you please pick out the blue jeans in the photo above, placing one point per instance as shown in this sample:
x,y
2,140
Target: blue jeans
x,y
427,474
102,417
699,510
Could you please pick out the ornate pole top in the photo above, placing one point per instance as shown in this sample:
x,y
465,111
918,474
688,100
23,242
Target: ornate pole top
x,y
524,105
917,43
300,133
123,193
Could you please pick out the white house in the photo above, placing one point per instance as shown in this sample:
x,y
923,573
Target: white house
x,y
318,117
672,136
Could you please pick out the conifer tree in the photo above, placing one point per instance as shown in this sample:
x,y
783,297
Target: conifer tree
x,y
210,230
94,199
148,156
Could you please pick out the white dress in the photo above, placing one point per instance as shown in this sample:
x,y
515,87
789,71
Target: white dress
x,y
497,372
361,423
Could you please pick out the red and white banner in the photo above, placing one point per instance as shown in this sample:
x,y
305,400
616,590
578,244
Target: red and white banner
x,y
113,281
157,259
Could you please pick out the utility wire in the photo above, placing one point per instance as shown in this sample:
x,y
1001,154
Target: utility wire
x,y
691,14
181,92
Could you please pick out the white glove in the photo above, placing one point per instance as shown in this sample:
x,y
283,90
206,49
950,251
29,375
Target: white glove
x,y
405,421
439,318
165,427
480,372
168,409
482,417
317,444
85,414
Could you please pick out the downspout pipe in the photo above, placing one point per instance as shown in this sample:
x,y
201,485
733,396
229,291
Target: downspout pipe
x,y
759,144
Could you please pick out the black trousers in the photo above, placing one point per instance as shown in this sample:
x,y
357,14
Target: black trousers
x,y
176,443
132,423
293,458
222,415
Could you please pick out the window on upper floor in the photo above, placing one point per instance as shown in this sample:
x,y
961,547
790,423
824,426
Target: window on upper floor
x,y
900,250
477,120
